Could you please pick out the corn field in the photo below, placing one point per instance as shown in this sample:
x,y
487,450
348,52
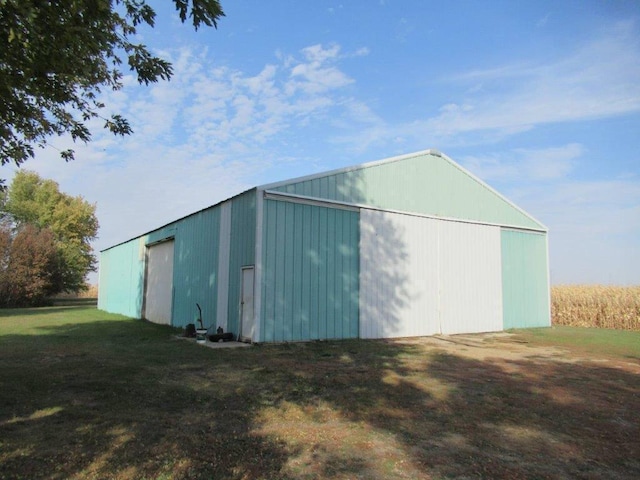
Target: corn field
x,y
596,306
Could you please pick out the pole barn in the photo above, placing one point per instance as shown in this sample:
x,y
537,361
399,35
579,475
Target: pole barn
x,y
407,246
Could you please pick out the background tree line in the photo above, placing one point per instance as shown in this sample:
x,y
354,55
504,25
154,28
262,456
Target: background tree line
x,y
45,241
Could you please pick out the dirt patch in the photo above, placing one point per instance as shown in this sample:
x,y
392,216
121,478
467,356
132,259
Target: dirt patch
x,y
510,347
465,406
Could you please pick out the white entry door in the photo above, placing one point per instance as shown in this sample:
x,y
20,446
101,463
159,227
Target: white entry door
x,y
159,286
247,316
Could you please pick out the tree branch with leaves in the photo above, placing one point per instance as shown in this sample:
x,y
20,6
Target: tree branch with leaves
x,y
58,56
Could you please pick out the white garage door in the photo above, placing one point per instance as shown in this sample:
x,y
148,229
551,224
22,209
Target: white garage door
x,y
422,276
159,286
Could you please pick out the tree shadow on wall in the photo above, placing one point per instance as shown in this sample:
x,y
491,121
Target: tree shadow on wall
x,y
327,269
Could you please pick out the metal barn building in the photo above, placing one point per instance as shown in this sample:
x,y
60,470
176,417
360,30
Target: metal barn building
x,y
408,246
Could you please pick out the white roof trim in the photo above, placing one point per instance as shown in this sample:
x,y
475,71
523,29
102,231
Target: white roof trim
x,y
337,171
314,201
398,158
323,202
491,189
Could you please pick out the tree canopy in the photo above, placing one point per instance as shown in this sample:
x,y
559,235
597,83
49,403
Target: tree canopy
x,y
57,57
28,266
36,219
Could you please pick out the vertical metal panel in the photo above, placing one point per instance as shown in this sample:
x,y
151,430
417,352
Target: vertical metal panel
x,y
430,184
223,265
121,278
310,272
398,275
242,251
525,280
470,278
247,311
421,276
196,267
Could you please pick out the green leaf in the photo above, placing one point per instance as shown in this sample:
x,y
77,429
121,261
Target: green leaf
x,y
59,55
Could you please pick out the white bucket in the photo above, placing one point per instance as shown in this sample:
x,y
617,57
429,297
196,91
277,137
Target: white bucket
x,y
201,335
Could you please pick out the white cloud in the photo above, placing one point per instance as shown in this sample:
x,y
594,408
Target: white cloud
x,y
594,229
198,139
543,21
525,165
600,79
317,74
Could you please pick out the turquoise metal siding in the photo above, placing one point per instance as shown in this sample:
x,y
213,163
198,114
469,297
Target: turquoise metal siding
x,y
426,183
121,278
195,270
525,281
242,252
310,273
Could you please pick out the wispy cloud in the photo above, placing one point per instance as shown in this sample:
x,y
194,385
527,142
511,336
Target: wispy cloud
x,y
525,165
594,228
209,133
600,79
585,217
543,21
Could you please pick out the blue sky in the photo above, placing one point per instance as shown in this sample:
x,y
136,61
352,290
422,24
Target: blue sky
x,y
540,99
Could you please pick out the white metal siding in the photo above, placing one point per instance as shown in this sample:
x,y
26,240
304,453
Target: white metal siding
x,y
159,291
398,275
422,276
247,312
223,265
470,278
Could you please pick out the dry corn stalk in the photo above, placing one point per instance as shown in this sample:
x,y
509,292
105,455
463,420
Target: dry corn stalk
x,y
596,306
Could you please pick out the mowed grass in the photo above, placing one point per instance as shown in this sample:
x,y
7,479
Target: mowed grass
x,y
89,395
599,342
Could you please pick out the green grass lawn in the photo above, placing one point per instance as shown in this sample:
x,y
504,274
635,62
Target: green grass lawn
x,y
89,395
595,341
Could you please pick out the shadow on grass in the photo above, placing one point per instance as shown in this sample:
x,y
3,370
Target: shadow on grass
x,y
85,302
37,311
124,399
457,417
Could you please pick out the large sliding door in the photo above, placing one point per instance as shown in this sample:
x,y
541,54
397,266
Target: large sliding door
x,y
423,276
159,284
398,275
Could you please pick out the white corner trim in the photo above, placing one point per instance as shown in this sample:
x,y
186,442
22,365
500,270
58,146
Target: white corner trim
x,y
257,282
